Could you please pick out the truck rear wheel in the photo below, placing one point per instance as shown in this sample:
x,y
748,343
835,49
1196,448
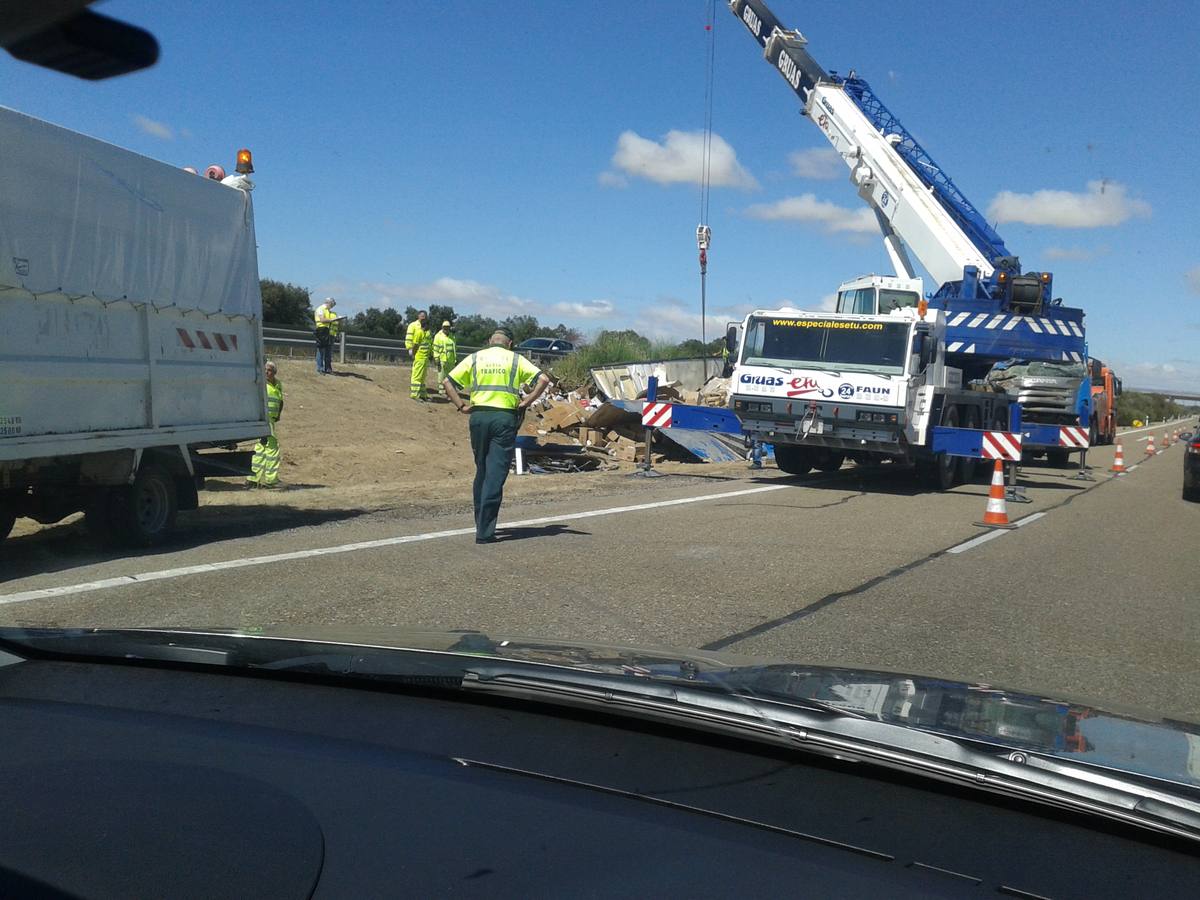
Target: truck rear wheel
x,y
829,460
144,512
793,460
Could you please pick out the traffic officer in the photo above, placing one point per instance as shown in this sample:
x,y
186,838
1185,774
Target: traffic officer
x,y
445,351
264,466
418,341
493,377
325,322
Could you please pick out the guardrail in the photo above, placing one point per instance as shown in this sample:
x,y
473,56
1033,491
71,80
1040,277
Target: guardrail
x,y
363,348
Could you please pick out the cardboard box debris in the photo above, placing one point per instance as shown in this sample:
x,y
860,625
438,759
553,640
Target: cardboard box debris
x,y
561,417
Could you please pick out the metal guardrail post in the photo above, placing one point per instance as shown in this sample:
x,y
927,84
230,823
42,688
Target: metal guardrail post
x,y
342,347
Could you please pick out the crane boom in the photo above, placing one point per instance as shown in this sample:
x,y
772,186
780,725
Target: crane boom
x,y
993,311
926,214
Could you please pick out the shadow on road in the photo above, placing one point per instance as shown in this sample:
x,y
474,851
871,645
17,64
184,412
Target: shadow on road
x,y
69,545
504,535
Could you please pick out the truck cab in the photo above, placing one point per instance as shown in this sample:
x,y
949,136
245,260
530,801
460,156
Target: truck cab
x,y
876,294
821,387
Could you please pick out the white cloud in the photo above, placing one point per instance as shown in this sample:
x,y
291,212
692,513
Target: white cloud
x,y
679,159
807,208
820,163
466,295
672,319
612,179
153,128
1103,204
1192,277
828,303
1076,253
1173,375
591,309
472,296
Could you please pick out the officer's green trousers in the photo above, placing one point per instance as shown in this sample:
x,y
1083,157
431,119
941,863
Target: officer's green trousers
x,y
493,440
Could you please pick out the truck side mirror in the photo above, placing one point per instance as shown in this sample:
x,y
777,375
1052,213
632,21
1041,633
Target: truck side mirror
x,y
924,348
731,349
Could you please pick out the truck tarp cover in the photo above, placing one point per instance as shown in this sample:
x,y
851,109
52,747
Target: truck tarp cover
x,y
81,217
1011,370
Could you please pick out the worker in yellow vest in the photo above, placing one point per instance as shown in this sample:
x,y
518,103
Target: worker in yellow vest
x,y
445,352
418,341
264,466
325,325
493,377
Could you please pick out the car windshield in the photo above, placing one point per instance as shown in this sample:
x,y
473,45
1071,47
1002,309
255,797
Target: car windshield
x,y
267,308
836,344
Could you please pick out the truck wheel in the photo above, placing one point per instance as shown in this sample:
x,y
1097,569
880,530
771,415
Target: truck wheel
x,y
941,473
144,512
1093,435
1058,458
793,460
829,461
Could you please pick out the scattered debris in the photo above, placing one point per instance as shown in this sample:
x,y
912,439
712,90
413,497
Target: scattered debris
x,y
591,428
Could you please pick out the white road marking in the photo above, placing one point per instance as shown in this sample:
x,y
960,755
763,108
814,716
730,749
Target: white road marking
x,y
992,535
181,571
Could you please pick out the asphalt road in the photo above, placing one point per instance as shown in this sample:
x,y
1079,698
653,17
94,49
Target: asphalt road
x,y
1096,597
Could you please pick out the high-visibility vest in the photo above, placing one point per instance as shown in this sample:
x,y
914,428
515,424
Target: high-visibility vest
x,y
417,338
496,374
445,348
324,317
274,400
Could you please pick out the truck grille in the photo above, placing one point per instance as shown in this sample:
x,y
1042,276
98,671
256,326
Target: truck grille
x,y
1048,401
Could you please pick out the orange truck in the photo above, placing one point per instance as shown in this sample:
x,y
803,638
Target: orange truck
x,y
1106,388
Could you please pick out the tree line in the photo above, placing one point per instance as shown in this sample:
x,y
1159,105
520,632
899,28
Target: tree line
x,y
287,304
1133,405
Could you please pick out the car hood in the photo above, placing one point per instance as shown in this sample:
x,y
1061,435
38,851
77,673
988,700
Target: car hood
x,y
1128,742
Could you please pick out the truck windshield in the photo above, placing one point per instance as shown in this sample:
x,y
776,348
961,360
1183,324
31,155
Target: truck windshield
x,y
827,344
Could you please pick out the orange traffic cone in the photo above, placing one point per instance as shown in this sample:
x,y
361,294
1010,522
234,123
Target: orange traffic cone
x,y
996,515
1166,441
1150,446
1118,466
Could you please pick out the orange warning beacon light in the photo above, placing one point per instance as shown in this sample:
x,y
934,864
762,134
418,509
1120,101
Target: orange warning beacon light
x,y
245,162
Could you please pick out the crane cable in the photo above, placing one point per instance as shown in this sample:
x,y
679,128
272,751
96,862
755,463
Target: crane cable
x,y
703,232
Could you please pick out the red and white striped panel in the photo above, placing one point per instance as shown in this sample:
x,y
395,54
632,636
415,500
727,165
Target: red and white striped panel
x,y
1002,445
192,339
656,415
1072,436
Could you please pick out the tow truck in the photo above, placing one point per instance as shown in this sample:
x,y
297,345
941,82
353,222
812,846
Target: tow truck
x,y
934,358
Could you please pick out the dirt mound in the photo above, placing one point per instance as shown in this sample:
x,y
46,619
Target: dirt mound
x,y
355,440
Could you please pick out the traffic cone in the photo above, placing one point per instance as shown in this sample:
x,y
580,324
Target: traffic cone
x,y
1118,466
1150,446
996,515
1166,442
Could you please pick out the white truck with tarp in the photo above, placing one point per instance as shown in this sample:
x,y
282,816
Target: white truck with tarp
x,y
130,332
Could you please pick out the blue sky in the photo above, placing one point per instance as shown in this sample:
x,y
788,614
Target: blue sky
x,y
538,156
